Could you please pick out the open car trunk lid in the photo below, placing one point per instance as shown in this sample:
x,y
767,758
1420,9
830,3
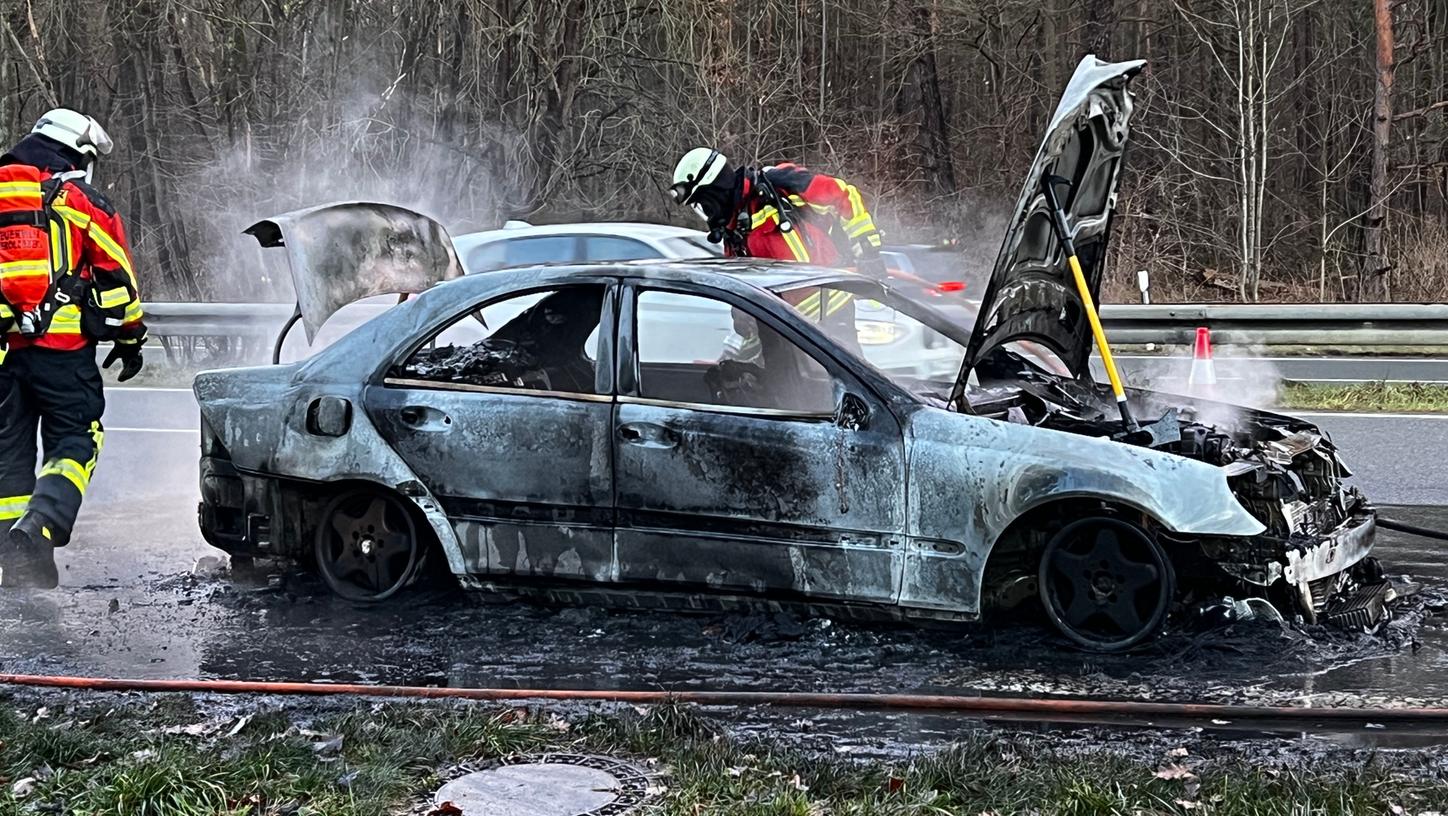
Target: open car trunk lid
x,y
343,252
1031,295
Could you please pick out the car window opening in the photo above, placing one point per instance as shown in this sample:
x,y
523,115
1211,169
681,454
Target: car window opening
x,y
541,341
700,351
885,329
693,247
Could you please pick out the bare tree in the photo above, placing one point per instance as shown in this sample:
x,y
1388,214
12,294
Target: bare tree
x,y
1256,170
1374,282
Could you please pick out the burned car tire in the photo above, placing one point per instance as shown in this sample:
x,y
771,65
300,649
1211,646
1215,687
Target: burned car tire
x,y
367,545
1106,583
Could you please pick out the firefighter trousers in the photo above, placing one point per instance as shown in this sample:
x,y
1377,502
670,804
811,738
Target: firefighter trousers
x,y
61,393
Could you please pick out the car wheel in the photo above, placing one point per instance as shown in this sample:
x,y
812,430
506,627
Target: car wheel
x,y
367,546
1106,583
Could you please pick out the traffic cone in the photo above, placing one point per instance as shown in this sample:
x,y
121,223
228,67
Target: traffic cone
x,y
1204,374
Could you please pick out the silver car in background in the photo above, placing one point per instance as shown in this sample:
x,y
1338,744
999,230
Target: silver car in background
x,y
519,243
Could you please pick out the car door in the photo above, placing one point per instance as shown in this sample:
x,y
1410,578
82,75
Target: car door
x,y
505,415
736,470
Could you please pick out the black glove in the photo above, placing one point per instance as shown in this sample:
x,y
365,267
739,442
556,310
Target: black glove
x,y
872,266
130,356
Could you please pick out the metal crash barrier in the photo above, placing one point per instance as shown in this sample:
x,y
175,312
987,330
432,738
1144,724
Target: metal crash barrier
x,y
215,333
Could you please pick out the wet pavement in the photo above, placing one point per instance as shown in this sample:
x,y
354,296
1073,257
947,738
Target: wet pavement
x,y
134,610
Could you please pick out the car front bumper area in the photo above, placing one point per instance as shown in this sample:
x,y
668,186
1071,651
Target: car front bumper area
x,y
1324,577
1335,580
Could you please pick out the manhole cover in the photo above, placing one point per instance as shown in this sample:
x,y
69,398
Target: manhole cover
x,y
548,785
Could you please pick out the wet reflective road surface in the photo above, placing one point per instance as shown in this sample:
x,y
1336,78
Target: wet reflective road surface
x,y
135,611
130,607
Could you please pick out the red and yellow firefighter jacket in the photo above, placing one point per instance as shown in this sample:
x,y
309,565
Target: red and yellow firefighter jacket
x,y
829,224
79,237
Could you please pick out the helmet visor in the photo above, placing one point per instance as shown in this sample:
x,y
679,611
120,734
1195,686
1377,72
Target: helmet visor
x,y
97,136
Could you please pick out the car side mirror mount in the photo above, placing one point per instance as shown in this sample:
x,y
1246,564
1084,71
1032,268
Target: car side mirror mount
x,y
852,413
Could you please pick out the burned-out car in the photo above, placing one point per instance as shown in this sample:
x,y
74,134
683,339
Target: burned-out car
x,y
705,432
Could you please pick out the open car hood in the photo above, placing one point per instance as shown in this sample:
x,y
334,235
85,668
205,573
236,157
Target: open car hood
x,y
1031,295
340,253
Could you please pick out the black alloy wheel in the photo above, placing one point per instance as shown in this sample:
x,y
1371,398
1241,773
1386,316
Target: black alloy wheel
x,y
367,546
1106,583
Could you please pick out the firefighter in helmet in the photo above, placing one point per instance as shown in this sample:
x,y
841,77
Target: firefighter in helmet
x,y
66,284
784,212
787,213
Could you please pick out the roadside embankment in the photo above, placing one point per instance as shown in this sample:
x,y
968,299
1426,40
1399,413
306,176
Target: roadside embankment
x,y
172,754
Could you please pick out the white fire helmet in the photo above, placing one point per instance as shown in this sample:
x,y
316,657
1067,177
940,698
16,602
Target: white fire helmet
x,y
76,131
698,167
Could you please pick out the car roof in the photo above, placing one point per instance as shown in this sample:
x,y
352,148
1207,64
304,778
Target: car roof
x,y
769,275
626,229
766,274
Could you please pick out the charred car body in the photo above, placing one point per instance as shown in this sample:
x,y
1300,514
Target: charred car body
x,y
697,432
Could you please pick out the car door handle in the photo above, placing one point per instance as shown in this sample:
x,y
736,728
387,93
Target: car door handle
x,y
647,435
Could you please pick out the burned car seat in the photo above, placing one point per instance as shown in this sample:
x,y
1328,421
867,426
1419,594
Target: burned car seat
x,y
541,349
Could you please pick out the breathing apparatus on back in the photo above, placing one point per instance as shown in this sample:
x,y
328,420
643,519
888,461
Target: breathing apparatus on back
x,y
704,181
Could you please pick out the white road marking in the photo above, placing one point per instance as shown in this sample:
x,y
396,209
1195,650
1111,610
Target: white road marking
x,y
109,429
1362,415
1360,380
110,388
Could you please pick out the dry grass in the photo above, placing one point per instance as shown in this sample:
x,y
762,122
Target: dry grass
x,y
1418,252
1387,397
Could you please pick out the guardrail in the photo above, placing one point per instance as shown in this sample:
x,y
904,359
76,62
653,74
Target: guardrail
x,y
225,333
1330,327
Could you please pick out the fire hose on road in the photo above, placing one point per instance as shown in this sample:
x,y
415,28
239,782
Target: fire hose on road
x,y
1398,526
1051,710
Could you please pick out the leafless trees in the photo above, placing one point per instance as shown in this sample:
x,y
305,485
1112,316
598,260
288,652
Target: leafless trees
x,y
1272,160
1374,281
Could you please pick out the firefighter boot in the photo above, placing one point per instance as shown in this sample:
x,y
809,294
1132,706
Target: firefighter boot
x,y
29,560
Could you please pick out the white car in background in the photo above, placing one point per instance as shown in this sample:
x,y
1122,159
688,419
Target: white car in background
x,y
519,243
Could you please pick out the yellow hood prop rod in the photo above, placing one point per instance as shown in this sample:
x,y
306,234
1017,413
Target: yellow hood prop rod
x,y
1058,223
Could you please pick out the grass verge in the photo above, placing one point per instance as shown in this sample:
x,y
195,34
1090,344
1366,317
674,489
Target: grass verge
x,y
1390,397
169,758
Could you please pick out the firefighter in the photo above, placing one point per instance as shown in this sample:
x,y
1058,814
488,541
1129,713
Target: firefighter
x,y
66,283
787,213
784,212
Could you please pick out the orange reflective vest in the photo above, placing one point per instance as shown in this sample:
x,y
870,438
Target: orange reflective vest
x,y
76,240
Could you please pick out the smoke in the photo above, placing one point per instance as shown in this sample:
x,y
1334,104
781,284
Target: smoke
x,y
373,145
1246,378
974,223
982,228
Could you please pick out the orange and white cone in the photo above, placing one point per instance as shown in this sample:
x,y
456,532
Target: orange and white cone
x,y
1203,379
